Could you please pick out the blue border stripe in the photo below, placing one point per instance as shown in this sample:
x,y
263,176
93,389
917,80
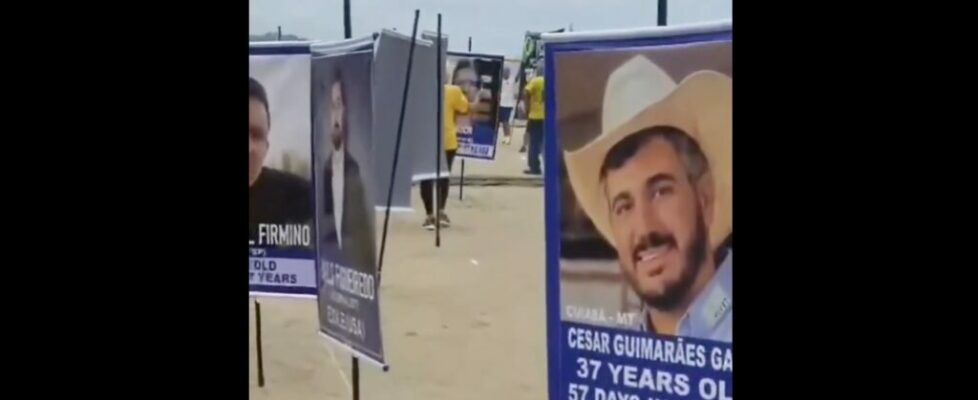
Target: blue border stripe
x,y
474,157
279,51
258,289
276,252
639,42
552,223
475,55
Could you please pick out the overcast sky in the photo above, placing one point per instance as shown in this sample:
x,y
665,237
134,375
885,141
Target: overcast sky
x,y
496,26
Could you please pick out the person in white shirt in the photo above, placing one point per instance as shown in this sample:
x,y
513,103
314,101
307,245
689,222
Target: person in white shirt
x,y
507,101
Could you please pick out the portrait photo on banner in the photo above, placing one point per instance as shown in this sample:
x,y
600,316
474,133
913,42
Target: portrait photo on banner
x,y
342,128
645,187
342,116
280,198
480,80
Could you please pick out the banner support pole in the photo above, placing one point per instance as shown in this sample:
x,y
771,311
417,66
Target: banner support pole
x,y
355,375
461,177
258,346
461,181
663,12
439,65
347,29
397,146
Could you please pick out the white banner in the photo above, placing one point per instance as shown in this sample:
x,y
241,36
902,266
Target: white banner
x,y
280,198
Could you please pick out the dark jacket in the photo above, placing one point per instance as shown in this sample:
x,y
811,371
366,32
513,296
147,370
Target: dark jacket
x,y
278,198
358,245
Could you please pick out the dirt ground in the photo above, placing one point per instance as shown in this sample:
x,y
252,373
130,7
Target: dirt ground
x,y
463,321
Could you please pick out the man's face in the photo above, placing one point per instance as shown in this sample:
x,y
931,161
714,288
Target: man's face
x,y
257,138
337,113
657,219
468,81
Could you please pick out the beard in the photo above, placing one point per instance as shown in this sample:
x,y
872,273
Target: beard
x,y
695,255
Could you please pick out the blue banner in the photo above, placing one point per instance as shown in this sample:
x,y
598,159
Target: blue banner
x,y
603,363
349,305
480,77
638,194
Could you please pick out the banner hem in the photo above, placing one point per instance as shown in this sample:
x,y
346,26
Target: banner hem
x,y
355,352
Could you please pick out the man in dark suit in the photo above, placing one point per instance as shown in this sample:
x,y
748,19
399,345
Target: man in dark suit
x,y
274,197
349,214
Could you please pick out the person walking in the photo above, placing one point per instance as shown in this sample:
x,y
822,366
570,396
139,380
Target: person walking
x,y
533,97
507,101
457,104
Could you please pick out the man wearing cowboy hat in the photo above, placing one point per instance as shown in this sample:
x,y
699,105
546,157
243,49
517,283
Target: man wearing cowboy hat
x,y
657,184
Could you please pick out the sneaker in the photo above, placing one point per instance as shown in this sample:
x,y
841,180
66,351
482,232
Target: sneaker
x,y
523,149
529,172
443,220
506,140
429,223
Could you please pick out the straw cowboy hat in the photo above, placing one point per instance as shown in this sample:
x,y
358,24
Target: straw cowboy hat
x,y
641,95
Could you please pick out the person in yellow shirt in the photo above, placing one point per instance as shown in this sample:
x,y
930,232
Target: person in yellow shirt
x,y
456,104
533,97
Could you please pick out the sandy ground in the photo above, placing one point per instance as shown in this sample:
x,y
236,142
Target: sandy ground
x,y
463,321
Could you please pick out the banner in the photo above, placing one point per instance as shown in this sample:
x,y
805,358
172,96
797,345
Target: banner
x,y
428,86
280,197
639,213
420,129
343,138
480,77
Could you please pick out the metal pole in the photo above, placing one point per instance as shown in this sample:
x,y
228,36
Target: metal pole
x,y
280,33
261,363
662,13
439,65
347,29
397,143
461,177
355,376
